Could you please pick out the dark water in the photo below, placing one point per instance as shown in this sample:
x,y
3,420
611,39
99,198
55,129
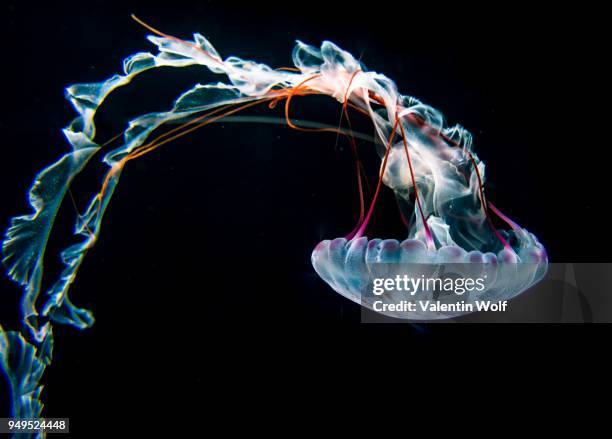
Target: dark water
x,y
201,282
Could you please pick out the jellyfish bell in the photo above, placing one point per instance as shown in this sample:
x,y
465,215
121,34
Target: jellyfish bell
x,y
439,183
349,267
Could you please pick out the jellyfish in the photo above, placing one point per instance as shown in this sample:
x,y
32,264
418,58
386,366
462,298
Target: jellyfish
x,y
432,169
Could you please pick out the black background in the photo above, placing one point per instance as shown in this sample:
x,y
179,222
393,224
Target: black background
x,y
201,282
